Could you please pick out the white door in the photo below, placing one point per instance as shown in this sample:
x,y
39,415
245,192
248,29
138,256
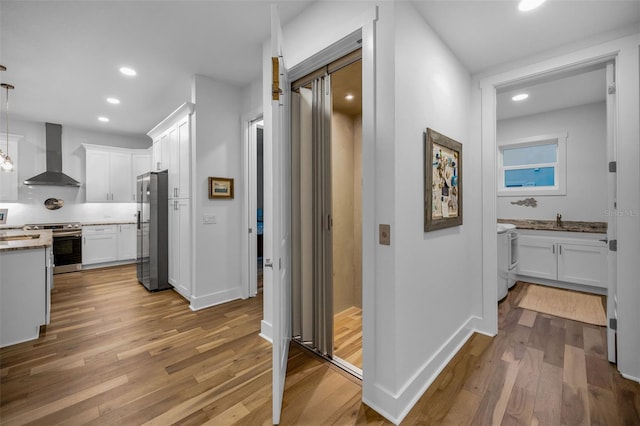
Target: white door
x,y
612,292
277,236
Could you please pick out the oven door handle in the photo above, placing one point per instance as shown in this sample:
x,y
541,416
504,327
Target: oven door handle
x,y
68,234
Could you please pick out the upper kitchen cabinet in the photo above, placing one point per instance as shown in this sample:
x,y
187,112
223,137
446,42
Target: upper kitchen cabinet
x,y
110,173
9,180
171,149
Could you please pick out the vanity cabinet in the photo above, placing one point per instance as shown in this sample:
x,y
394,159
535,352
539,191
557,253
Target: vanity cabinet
x,y
571,260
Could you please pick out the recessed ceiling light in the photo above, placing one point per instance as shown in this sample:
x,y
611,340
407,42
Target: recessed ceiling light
x,y
349,97
520,97
114,101
128,71
103,119
527,5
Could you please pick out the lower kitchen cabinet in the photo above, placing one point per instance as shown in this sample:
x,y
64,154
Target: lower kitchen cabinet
x,y
180,247
577,261
99,244
108,243
127,241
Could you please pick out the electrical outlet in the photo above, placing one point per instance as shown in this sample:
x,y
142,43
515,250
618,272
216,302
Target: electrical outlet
x,y
208,219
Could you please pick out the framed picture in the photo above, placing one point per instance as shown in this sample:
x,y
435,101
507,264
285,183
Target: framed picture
x,y
442,181
220,187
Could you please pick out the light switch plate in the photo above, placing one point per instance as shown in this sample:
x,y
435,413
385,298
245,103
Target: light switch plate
x,y
208,219
385,235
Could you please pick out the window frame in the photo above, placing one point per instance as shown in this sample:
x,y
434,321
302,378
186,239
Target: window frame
x,y
560,170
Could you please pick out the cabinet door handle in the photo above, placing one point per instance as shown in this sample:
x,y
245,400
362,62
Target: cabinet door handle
x,y
560,249
553,249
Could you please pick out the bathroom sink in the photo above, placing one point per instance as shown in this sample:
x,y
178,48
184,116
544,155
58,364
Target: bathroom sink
x,y
19,237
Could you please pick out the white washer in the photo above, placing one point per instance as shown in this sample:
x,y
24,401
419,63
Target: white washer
x,y
504,255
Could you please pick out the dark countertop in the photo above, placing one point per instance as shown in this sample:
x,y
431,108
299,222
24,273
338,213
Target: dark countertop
x,y
550,225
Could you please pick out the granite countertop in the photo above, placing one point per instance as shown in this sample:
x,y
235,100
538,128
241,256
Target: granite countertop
x,y
551,225
17,239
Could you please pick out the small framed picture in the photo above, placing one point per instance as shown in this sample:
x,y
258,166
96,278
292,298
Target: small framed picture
x,y
220,187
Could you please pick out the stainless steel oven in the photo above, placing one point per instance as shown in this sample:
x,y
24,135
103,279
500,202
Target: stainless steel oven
x,y
67,245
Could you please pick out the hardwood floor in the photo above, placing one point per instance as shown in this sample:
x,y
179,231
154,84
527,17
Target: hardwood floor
x,y
538,370
347,336
116,354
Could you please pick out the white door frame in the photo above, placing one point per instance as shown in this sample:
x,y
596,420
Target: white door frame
x,y
249,222
488,86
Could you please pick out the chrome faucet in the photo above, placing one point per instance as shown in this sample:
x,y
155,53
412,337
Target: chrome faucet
x,y
558,220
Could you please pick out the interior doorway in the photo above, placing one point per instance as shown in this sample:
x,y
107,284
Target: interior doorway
x,y
254,199
327,211
577,104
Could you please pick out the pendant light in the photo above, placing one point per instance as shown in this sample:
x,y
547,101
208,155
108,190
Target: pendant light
x,y
7,166
2,156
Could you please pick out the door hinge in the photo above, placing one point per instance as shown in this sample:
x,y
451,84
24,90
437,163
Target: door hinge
x,y
613,323
250,231
613,166
275,84
613,245
611,89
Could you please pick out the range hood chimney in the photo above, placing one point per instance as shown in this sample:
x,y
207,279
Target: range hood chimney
x,y
53,176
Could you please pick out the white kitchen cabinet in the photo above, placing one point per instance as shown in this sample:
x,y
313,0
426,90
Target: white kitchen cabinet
x,y
127,241
172,151
24,294
180,246
570,260
179,167
99,244
108,174
9,180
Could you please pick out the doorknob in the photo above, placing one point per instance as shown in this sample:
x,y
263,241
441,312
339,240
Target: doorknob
x,y
268,263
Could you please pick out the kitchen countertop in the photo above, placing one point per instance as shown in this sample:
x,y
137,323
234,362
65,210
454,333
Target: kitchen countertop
x,y
110,222
550,225
40,239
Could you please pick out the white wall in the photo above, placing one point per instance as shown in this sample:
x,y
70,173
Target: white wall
x,y
217,148
586,197
418,298
434,283
32,161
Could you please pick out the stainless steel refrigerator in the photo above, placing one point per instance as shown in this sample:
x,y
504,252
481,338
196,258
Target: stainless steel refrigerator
x,y
153,231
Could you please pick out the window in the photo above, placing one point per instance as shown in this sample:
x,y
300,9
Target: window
x,y
532,166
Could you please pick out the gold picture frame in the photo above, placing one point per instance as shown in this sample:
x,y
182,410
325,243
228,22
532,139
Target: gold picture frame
x,y
220,187
442,181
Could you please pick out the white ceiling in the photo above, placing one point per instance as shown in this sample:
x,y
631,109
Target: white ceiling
x,y
63,57
581,89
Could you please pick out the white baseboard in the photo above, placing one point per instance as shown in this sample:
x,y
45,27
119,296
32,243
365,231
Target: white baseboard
x,y
564,285
626,376
396,406
213,299
107,264
266,331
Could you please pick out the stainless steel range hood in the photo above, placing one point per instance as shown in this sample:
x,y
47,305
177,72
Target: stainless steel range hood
x,y
53,176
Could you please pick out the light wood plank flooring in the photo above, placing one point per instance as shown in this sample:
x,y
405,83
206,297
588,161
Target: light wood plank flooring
x,y
347,336
116,354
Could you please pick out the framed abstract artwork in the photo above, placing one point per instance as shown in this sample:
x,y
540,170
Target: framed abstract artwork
x,y
442,181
